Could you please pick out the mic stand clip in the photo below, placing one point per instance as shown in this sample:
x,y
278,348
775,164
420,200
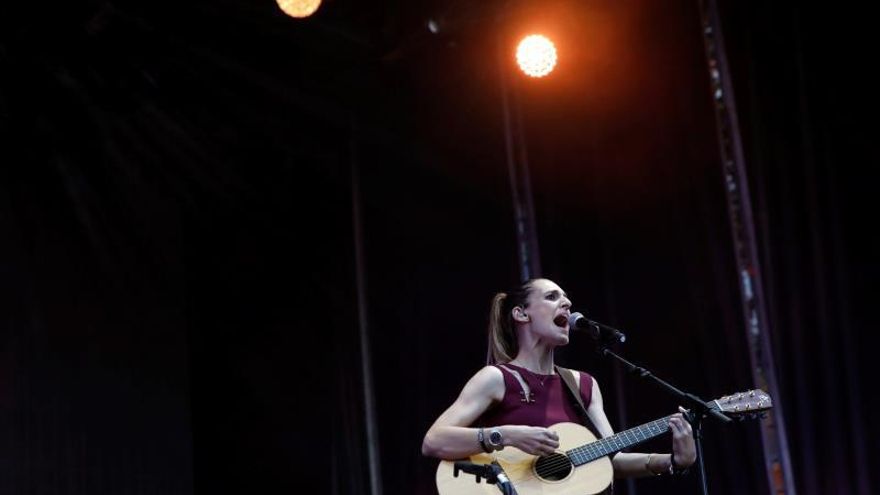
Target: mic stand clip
x,y
493,473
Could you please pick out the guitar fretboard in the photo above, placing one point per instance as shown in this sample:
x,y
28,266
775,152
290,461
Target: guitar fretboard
x,y
616,443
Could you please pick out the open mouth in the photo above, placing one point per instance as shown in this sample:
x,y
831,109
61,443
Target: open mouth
x,y
561,321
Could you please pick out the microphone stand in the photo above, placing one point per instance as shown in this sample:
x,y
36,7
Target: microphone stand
x,y
699,409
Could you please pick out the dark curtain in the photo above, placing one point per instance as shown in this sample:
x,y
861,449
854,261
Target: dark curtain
x,y
177,266
810,129
178,261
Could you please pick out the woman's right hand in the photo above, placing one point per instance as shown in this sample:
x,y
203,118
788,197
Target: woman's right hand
x,y
530,439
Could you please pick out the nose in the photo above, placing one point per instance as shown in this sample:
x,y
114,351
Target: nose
x,y
566,303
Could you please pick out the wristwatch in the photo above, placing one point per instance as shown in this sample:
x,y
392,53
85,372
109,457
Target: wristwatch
x,y
481,437
495,439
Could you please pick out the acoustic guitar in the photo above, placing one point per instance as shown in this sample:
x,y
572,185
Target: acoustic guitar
x,y
582,464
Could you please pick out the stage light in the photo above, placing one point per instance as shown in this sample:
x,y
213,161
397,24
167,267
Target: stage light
x,y
299,8
536,55
433,26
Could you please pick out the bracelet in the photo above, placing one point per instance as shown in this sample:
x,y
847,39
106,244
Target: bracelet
x,y
481,437
648,466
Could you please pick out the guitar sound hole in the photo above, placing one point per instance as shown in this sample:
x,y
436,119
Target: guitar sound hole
x,y
553,467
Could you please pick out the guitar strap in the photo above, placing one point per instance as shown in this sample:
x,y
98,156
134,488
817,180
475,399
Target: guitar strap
x,y
576,401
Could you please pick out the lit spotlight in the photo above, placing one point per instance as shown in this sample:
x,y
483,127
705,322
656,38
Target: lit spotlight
x,y
536,55
299,8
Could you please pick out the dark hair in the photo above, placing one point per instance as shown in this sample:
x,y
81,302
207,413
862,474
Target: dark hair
x,y
503,345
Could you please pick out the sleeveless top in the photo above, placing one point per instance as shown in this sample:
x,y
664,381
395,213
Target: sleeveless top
x,y
549,402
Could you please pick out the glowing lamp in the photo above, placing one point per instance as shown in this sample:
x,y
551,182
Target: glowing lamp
x,y
299,8
536,55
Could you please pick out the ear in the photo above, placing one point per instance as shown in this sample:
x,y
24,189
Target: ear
x,y
519,315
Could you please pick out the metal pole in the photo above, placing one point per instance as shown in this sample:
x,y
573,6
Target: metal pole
x,y
776,454
518,170
372,432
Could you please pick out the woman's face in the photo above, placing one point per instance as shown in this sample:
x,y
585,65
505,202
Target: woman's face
x,y
548,311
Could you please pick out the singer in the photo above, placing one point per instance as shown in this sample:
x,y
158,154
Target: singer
x,y
513,400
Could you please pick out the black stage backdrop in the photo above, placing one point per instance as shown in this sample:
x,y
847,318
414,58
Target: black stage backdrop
x,y
178,232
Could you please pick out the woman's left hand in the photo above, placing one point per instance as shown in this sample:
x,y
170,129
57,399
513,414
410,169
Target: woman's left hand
x,y
682,440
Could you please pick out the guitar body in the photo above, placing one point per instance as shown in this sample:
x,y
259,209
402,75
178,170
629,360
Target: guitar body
x,y
523,470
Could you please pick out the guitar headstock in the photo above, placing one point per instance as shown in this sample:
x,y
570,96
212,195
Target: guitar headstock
x,y
748,404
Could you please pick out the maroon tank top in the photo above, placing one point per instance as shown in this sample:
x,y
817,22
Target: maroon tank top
x,y
549,402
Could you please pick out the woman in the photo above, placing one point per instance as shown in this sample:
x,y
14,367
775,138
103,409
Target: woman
x,y
512,403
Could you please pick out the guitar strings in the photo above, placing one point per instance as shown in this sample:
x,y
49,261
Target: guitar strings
x,y
565,459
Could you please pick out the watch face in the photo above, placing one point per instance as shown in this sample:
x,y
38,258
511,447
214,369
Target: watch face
x,y
495,437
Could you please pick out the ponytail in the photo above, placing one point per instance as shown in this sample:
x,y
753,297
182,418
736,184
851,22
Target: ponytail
x,y
503,346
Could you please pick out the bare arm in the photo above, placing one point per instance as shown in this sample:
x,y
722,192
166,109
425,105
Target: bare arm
x,y
626,465
450,438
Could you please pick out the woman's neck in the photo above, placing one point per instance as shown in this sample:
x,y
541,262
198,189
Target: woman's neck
x,y
536,362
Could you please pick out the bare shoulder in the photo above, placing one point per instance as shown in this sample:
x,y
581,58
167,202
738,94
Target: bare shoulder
x,y
490,371
487,382
481,390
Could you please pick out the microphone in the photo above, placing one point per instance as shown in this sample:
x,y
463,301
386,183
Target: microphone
x,y
598,331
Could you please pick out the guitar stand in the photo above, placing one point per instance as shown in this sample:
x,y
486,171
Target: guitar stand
x,y
493,473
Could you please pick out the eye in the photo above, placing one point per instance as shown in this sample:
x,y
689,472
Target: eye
x,y
553,296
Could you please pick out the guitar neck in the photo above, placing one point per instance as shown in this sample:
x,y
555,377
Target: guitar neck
x,y
616,443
